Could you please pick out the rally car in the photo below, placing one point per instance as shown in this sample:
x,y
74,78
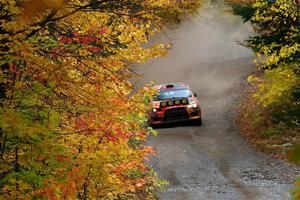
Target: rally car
x,y
174,102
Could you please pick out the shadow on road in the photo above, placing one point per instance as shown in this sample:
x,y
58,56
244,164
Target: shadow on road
x,y
177,124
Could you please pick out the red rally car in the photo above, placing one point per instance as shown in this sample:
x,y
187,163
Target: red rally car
x,y
174,102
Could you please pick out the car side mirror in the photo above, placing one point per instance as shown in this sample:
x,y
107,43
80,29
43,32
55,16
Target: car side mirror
x,y
195,94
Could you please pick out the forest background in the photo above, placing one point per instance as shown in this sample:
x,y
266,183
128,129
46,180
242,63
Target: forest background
x,y
72,124
269,115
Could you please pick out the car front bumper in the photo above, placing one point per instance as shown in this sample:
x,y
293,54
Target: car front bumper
x,y
174,114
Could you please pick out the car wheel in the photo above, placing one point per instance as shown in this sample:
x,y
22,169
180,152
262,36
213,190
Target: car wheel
x,y
199,122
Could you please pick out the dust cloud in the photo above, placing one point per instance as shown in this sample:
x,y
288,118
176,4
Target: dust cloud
x,y
205,52
204,162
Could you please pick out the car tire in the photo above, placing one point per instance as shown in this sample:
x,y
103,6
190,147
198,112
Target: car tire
x,y
198,122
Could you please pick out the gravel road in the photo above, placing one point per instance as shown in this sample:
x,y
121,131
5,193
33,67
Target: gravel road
x,y
212,161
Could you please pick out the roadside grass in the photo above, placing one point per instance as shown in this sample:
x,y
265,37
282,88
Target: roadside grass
x,y
259,129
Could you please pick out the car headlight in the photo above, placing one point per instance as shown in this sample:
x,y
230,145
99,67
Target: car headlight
x,y
170,103
184,101
163,104
192,104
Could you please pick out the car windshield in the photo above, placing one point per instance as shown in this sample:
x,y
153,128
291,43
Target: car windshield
x,y
170,94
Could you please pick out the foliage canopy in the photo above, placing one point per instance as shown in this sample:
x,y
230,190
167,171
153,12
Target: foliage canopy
x,y
72,124
276,92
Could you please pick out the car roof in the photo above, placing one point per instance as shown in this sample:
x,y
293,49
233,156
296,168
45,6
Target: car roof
x,y
171,86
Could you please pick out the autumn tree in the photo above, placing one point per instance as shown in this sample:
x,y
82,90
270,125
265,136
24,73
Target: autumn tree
x,y
271,112
72,126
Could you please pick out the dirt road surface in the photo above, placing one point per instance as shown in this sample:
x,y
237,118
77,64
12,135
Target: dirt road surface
x,y
212,161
